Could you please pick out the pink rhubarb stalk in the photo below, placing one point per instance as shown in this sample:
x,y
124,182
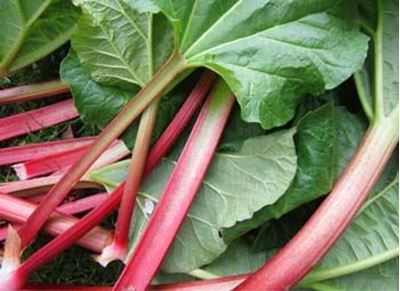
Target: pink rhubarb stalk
x,y
11,155
140,166
32,92
40,185
17,211
118,249
58,244
62,160
131,110
180,191
304,250
180,120
37,119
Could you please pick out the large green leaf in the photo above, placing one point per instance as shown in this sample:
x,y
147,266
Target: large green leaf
x,y
120,45
388,41
378,82
98,104
371,239
325,140
32,29
270,52
364,258
237,184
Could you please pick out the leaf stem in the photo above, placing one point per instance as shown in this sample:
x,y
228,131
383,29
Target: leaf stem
x,y
321,275
11,155
119,247
130,111
17,210
32,92
362,95
308,246
179,192
180,120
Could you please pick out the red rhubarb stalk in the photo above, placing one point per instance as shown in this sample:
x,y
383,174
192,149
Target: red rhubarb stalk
x,y
66,239
60,243
322,230
139,166
119,247
131,110
180,120
62,160
37,119
40,185
325,226
32,92
179,192
17,211
11,155
74,207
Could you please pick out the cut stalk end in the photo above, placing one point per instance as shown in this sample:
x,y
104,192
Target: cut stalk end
x,y
111,253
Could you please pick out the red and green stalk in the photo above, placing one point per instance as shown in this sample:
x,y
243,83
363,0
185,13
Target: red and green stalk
x,y
140,166
95,216
332,217
37,119
32,92
11,155
17,211
131,110
62,160
180,120
40,185
179,192
119,247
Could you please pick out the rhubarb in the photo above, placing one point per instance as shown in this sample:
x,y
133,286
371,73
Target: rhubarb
x,y
180,120
59,162
179,192
17,211
326,225
61,242
37,119
32,92
11,155
118,249
40,185
131,110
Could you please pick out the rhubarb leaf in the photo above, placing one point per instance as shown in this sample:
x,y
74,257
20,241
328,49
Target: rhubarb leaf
x,y
270,53
371,239
97,104
118,44
33,29
387,40
359,260
237,184
325,141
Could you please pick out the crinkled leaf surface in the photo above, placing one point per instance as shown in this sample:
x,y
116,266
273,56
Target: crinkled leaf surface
x,y
98,104
120,45
32,29
378,82
388,35
237,184
364,258
325,140
270,52
372,238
